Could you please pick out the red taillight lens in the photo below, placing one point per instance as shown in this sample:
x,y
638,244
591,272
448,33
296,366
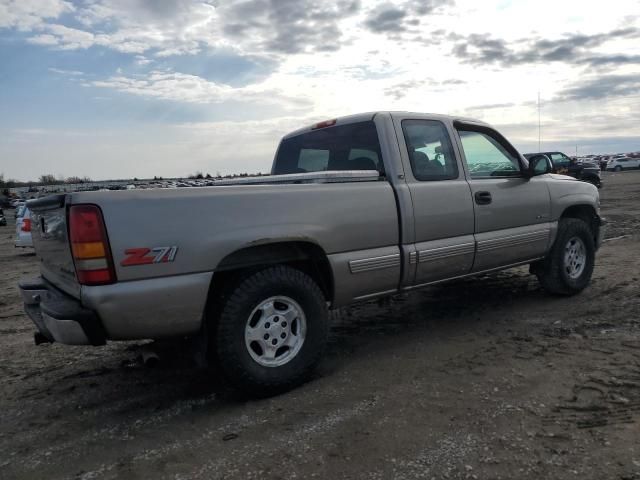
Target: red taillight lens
x,y
90,246
325,124
26,225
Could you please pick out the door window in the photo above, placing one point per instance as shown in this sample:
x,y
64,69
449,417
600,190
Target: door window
x,y
429,149
486,157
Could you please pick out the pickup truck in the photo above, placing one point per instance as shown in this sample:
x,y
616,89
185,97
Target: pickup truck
x,y
355,208
586,171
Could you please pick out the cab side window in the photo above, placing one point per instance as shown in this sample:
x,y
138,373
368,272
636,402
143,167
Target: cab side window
x,y
487,157
429,149
560,160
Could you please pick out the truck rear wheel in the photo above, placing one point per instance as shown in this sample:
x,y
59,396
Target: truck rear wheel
x,y
272,331
568,267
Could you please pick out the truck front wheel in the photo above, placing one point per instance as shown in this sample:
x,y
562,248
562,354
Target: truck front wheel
x,y
568,267
272,331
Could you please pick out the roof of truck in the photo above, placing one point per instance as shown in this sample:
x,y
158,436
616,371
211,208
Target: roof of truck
x,y
363,117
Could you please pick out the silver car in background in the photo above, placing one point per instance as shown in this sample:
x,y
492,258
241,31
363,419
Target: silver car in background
x,y
23,228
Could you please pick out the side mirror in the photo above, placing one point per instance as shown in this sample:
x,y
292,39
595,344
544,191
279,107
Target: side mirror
x,y
539,165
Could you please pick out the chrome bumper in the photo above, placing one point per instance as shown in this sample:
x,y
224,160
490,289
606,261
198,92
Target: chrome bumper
x,y
58,317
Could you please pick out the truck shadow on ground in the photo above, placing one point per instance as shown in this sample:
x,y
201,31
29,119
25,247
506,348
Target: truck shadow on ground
x,y
117,379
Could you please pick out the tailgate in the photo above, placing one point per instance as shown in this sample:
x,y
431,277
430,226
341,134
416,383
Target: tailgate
x,y
51,241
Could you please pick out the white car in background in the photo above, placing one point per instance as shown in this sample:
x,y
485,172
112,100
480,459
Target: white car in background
x,y
623,163
23,228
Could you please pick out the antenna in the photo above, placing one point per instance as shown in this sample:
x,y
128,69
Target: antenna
x,y
539,125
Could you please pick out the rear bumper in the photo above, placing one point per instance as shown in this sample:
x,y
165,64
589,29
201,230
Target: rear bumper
x,y
23,241
59,317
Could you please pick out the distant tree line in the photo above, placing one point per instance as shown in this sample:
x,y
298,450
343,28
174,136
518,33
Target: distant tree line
x,y
47,179
200,175
50,179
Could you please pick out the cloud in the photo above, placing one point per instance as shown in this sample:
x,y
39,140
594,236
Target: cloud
x,y
181,87
25,15
481,49
492,106
44,39
70,73
400,90
606,86
68,38
287,26
611,60
395,18
184,27
386,18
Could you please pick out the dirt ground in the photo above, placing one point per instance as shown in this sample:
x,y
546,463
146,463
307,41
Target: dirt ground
x,y
487,378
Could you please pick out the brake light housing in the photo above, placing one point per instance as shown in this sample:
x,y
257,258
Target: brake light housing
x,y
325,124
90,245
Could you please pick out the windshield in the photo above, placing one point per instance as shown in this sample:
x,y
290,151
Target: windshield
x,y
344,147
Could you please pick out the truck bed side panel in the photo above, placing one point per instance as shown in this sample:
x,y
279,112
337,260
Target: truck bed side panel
x,y
207,224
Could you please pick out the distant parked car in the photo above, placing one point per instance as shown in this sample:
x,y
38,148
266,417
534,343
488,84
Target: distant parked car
x,y
585,171
23,229
18,211
623,163
603,162
3,220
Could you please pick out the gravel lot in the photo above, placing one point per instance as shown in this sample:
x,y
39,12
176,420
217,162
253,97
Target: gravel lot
x,y
485,378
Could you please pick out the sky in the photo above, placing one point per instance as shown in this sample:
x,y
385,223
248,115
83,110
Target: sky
x,y
141,88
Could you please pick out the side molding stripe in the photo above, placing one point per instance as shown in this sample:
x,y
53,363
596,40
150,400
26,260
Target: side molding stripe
x,y
375,263
513,240
445,252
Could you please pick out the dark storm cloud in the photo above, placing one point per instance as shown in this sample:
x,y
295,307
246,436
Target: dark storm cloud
x,y
605,86
288,26
396,18
575,49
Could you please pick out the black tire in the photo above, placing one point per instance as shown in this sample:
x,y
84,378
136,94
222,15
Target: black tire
x,y
552,274
618,168
233,354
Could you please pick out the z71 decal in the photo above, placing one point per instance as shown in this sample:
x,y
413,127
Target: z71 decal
x,y
146,256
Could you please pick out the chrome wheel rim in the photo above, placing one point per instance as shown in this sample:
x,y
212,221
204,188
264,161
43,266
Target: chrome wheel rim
x,y
575,257
275,331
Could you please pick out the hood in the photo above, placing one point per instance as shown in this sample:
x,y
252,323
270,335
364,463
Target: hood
x,y
557,176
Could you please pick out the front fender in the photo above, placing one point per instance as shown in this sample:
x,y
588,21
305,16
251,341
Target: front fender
x,y
565,194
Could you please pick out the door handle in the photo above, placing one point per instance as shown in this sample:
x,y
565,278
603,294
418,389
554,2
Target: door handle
x,y
483,198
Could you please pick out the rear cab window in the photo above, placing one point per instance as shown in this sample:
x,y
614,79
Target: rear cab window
x,y
429,149
353,146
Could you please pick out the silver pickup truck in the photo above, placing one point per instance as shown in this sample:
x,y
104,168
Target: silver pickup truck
x,y
357,207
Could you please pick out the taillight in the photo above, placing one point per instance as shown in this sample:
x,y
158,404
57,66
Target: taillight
x,y
325,124
26,225
90,246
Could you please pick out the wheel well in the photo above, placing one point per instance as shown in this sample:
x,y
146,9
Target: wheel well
x,y
587,214
305,256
